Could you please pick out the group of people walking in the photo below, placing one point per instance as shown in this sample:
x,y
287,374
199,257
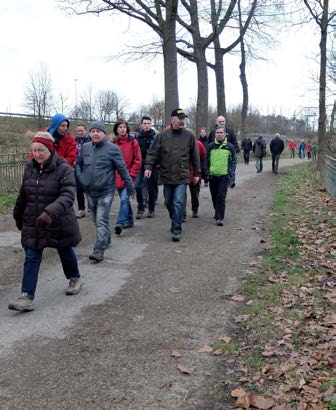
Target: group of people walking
x,y
62,166
304,148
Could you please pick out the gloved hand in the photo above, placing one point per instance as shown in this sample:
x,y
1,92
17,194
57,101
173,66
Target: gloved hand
x,y
43,220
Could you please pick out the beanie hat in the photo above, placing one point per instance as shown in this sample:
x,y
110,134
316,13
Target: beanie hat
x,y
99,125
46,139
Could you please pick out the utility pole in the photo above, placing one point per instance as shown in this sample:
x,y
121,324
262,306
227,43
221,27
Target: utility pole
x,y
76,110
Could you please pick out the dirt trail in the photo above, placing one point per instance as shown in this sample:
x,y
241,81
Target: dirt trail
x,y
109,347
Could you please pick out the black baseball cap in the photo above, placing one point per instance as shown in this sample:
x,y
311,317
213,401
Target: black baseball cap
x,y
178,112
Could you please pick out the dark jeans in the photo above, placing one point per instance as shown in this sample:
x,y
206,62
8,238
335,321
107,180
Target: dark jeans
x,y
194,194
174,201
218,190
275,163
246,157
32,265
152,186
292,153
80,195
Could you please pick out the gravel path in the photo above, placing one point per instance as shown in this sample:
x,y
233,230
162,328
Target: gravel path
x,y
110,346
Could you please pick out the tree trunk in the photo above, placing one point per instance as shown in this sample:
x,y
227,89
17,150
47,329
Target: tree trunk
x,y
322,135
219,75
170,60
202,89
243,79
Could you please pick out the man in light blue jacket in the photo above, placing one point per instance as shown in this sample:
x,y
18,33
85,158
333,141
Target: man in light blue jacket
x,y
95,170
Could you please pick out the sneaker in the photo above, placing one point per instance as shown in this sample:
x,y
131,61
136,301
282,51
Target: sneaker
x,y
219,222
81,213
118,230
176,237
96,256
128,225
74,286
151,214
23,304
139,215
195,215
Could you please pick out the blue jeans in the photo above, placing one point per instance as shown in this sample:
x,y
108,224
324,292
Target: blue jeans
x,y
174,201
32,263
152,183
125,214
259,164
100,210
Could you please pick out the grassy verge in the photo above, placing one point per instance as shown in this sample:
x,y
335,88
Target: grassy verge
x,y
7,200
285,348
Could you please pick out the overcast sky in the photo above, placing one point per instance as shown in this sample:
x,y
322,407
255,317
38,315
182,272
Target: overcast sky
x,y
75,50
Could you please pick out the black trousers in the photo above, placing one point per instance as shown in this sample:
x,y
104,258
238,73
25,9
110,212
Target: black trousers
x,y
218,190
246,157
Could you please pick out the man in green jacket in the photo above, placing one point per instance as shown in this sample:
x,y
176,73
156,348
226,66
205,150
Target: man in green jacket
x,y
174,150
220,163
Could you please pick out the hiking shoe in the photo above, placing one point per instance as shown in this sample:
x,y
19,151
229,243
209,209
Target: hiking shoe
x,y
176,237
118,230
81,213
219,222
151,214
96,256
23,304
195,215
139,215
128,225
74,286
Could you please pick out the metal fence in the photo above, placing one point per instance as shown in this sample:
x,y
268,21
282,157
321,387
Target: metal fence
x,y
330,176
12,166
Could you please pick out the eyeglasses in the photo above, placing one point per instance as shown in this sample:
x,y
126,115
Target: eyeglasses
x,y
39,150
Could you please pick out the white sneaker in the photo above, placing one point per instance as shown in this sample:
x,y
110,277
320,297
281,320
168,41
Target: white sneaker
x,y
81,213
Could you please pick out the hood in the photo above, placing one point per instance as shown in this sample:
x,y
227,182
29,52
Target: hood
x,y
55,123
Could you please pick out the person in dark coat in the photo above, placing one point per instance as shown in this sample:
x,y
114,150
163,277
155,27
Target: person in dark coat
x,y
259,149
246,146
276,147
230,135
44,213
203,138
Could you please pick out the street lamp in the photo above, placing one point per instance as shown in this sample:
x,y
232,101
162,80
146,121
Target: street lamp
x,y
76,113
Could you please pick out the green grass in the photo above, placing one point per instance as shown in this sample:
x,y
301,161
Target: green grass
x,y
7,200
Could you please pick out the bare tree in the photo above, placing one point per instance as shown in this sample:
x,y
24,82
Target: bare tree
x,y
160,16
106,104
62,105
38,93
319,11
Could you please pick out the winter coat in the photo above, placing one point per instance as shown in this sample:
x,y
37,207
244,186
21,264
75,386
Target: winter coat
x,y
230,135
221,159
96,168
246,144
50,189
132,155
146,140
64,145
204,141
202,154
277,146
175,151
292,145
308,147
80,142
259,148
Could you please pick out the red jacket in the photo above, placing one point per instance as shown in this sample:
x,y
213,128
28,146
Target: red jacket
x,y
132,156
202,152
66,148
292,145
308,147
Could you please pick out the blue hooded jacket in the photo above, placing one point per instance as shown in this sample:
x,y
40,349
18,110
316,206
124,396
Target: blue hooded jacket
x,y
55,122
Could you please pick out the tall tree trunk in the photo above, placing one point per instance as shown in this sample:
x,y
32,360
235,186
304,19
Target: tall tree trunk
x,y
170,59
243,79
202,89
219,75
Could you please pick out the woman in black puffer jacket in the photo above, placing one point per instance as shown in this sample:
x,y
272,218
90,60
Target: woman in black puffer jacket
x,y
44,213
